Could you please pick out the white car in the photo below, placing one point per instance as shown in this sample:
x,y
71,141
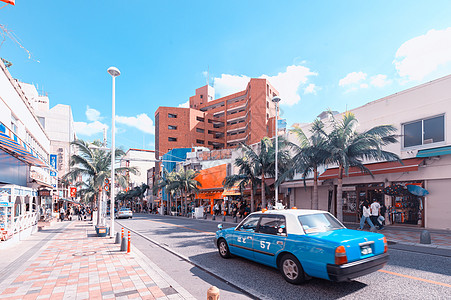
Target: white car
x,y
124,213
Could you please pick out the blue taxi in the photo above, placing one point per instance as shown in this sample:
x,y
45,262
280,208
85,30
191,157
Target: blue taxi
x,y
303,244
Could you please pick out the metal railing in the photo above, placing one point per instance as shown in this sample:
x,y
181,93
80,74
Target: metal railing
x,y
24,221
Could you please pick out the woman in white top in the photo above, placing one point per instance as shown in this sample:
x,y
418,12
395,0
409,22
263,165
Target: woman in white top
x,y
365,216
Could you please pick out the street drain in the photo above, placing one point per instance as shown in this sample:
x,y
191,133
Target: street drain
x,y
86,253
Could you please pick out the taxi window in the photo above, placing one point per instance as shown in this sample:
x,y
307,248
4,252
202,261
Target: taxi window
x,y
272,225
319,223
250,224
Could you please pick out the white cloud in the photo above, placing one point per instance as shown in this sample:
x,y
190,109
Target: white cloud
x,y
89,129
229,84
424,54
141,122
185,105
380,80
363,85
287,83
352,78
92,114
311,89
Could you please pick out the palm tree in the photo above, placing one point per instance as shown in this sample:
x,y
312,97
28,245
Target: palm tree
x,y
166,182
311,153
185,182
246,177
263,160
348,148
93,166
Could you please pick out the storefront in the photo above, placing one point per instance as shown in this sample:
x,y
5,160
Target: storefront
x,y
406,208
355,195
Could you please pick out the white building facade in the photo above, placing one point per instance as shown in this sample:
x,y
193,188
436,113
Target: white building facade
x,y
422,117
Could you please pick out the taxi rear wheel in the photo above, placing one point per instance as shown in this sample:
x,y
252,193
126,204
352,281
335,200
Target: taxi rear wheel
x,y
223,249
291,269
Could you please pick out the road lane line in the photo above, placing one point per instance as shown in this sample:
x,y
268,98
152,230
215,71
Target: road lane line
x,y
182,227
416,278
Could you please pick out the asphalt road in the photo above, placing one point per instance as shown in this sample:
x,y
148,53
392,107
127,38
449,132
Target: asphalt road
x,y
197,265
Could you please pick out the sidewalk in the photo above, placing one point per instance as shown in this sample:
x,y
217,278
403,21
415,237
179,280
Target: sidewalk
x,y
76,264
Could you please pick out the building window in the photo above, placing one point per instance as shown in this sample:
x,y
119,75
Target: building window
x,y
200,142
200,130
172,139
13,124
173,116
172,127
201,96
426,131
200,119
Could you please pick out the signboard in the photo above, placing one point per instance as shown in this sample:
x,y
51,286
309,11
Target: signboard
x,y
106,185
53,163
281,124
12,2
73,191
44,193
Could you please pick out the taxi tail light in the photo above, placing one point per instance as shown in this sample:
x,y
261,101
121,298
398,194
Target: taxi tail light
x,y
385,244
340,255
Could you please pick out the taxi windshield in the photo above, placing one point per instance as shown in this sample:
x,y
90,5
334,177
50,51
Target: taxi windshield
x,y
319,223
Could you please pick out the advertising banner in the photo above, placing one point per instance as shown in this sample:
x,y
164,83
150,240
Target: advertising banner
x,y
53,163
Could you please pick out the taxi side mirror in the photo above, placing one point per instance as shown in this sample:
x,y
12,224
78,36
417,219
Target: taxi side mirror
x,y
220,226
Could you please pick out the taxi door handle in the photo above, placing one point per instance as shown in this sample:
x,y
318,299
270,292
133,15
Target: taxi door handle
x,y
279,243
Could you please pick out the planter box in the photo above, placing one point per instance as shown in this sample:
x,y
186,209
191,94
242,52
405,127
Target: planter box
x,y
102,231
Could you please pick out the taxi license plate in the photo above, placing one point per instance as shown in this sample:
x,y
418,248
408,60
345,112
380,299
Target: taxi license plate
x,y
366,249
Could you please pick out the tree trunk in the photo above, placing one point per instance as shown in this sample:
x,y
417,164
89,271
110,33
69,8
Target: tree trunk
x,y
98,207
263,191
340,194
315,189
252,198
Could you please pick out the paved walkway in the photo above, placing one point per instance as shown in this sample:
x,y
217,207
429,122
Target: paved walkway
x,y
76,264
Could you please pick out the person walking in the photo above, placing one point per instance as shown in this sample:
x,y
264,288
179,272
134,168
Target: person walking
x,y
375,211
62,214
365,216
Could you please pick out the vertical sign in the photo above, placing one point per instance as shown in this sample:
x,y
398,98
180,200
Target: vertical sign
x,y
53,163
73,192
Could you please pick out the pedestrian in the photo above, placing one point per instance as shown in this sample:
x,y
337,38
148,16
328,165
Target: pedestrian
x,y
62,214
216,209
383,210
68,215
365,216
375,211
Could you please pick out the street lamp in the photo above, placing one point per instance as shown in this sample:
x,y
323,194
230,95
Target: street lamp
x,y
276,100
114,72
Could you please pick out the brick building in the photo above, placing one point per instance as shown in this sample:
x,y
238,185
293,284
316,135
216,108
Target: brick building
x,y
246,116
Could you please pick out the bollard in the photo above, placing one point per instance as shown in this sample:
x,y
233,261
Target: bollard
x,y
213,218
425,237
205,216
223,218
124,244
118,238
213,293
122,233
128,245
235,219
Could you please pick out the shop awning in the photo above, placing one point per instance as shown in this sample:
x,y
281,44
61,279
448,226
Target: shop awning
x,y
209,195
434,151
17,148
408,165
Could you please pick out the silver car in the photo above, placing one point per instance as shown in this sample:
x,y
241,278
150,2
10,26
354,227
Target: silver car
x,y
124,213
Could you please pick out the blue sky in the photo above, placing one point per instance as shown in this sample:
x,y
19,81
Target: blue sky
x,y
318,54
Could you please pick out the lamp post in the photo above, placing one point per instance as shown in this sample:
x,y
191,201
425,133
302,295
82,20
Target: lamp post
x,y
114,72
276,100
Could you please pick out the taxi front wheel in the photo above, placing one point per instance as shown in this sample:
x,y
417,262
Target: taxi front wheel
x,y
291,269
223,249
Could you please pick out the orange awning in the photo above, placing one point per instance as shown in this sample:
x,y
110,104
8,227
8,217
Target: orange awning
x,y
408,165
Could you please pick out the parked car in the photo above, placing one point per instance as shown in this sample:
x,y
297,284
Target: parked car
x,y
124,213
304,244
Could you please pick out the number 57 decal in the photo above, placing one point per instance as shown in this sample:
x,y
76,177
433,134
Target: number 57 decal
x,y
265,245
